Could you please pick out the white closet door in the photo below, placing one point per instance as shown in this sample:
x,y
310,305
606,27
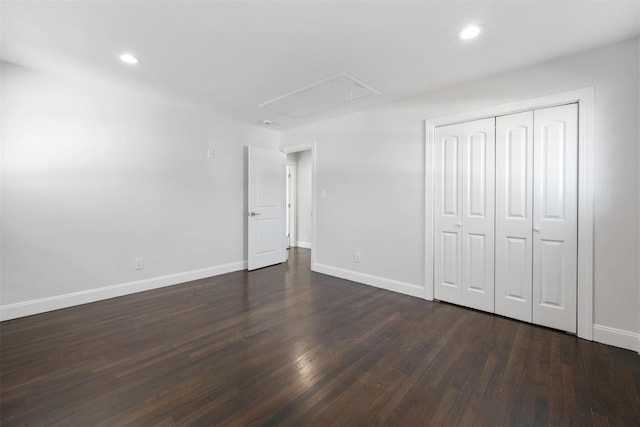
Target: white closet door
x,y
448,215
514,210
478,179
555,217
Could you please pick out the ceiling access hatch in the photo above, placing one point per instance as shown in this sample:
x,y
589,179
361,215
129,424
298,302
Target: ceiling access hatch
x,y
325,95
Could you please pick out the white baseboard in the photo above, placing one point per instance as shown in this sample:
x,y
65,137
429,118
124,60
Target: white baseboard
x,y
616,337
368,279
306,245
27,308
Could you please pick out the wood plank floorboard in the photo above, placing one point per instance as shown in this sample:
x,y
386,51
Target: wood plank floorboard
x,y
286,346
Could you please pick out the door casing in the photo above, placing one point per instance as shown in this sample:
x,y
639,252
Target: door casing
x,y
291,202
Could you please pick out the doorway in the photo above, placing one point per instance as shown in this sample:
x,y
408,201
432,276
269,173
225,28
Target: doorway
x,y
299,173
300,203
290,208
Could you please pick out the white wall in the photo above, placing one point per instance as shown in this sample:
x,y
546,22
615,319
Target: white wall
x,y
371,165
303,190
94,177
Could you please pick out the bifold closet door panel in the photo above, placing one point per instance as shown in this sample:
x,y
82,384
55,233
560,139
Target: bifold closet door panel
x,y
514,211
478,179
464,214
555,217
448,214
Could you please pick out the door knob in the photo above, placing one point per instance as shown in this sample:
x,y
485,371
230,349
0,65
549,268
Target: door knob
x,y
253,213
458,224
536,229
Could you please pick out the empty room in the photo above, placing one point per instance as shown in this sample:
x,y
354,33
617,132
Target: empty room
x,y
327,213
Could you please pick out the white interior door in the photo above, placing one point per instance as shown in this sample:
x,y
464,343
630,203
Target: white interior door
x,y
555,217
478,178
448,215
266,203
464,206
514,211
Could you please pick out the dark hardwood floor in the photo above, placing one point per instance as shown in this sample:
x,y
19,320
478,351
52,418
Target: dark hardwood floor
x,y
286,346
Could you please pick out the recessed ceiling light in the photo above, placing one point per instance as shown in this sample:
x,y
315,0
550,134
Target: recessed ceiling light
x,y
470,32
128,58
266,122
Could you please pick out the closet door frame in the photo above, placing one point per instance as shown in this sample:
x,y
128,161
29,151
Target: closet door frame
x,y
584,98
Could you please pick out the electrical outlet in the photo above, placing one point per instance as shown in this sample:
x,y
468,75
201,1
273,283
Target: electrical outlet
x,y
211,153
356,257
139,263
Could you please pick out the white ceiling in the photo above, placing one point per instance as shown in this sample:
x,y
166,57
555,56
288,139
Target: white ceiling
x,y
233,56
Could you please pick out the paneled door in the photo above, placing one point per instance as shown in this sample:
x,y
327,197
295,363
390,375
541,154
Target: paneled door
x,y
464,220
448,214
478,188
555,217
536,216
506,215
266,203
514,215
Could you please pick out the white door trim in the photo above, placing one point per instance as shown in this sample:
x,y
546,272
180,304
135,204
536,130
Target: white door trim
x,y
584,98
314,151
294,203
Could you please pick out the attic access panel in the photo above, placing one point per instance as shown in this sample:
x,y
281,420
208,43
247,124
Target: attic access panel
x,y
320,97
